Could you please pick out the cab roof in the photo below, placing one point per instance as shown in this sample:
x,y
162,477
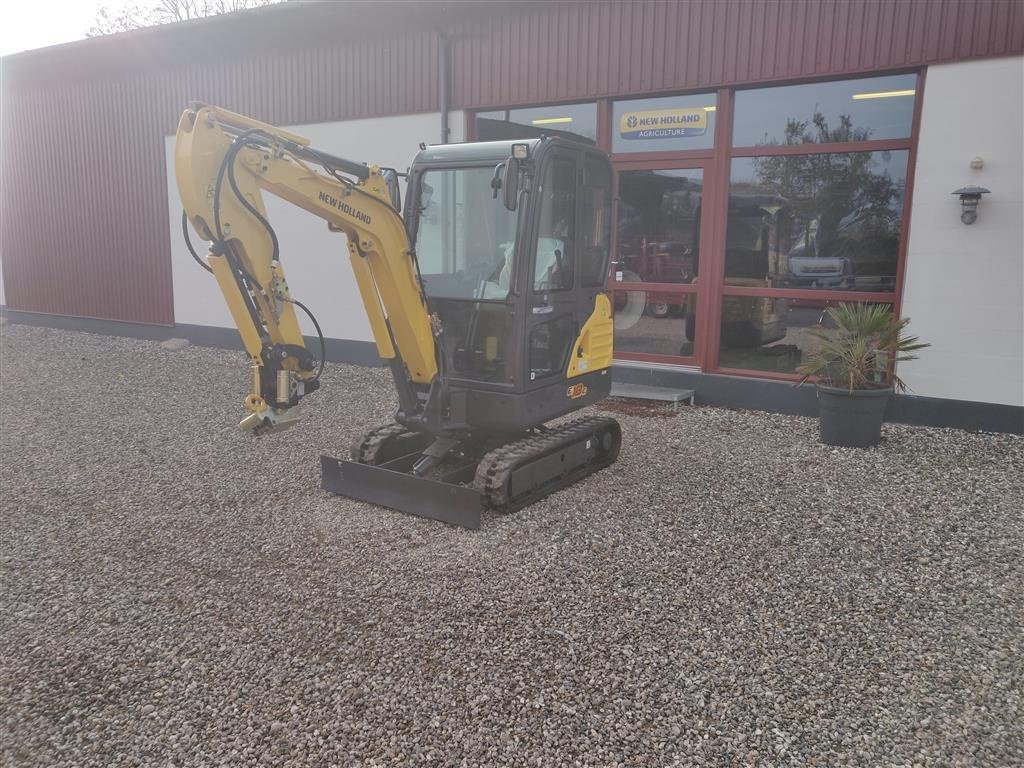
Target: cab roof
x,y
471,152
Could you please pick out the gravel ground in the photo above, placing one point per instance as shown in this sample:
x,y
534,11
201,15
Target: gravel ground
x,y
729,593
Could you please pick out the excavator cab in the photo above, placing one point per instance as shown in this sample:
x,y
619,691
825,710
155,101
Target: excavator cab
x,y
512,243
486,301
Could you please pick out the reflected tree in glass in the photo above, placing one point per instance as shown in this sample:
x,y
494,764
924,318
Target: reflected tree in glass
x,y
838,205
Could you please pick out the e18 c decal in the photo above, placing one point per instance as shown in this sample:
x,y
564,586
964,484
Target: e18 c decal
x,y
576,391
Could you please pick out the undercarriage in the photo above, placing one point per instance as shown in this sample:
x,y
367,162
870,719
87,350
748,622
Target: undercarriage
x,y
401,469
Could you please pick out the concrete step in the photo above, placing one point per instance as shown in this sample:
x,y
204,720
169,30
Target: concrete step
x,y
646,392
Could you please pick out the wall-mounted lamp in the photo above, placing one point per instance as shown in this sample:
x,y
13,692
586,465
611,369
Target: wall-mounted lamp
x,y
969,198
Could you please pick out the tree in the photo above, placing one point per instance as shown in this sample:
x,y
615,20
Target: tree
x,y
838,204
133,15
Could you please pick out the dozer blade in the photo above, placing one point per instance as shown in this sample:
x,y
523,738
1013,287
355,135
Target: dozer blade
x,y
448,501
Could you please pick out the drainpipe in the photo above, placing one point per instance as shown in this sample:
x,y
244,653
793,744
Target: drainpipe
x,y
444,73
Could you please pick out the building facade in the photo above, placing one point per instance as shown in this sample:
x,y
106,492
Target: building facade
x,y
771,159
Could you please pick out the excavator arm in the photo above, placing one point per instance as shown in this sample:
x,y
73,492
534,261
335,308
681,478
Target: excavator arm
x,y
223,163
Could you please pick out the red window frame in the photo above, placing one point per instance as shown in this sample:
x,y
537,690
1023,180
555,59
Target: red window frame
x,y
710,286
894,298
697,159
703,159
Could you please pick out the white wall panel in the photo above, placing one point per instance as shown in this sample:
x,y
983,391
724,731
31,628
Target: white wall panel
x,y
964,284
315,260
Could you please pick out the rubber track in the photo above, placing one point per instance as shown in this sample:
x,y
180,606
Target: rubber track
x,y
365,449
495,469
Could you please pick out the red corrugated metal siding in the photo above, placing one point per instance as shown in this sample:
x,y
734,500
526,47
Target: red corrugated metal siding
x,y
84,228
576,51
84,225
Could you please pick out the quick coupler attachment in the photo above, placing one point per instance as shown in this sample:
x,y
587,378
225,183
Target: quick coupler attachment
x,y
271,420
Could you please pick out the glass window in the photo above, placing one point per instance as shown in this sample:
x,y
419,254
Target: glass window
x,y
668,124
553,268
596,221
530,122
549,346
654,323
770,334
465,238
478,337
823,221
659,226
820,113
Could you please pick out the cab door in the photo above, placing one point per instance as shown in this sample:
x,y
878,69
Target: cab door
x,y
552,319
569,267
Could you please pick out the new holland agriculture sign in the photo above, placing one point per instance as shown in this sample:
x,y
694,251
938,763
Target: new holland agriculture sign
x,y
663,123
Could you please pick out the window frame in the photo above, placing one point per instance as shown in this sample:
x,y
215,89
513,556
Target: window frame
x,y
711,363
648,163
472,114
851,293
716,162
586,157
662,153
549,164
736,148
412,227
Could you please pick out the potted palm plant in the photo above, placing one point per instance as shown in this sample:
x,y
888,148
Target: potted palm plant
x,y
855,371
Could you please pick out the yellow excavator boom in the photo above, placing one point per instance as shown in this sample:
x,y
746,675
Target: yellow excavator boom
x,y
223,161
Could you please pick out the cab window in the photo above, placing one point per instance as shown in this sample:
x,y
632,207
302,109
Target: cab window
x,y
553,267
595,221
465,238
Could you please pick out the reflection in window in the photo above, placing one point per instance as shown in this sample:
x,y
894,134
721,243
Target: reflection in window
x,y
672,124
818,113
553,268
659,226
464,237
654,323
819,221
508,124
769,334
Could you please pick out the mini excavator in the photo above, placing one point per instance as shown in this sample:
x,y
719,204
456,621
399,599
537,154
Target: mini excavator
x,y
487,302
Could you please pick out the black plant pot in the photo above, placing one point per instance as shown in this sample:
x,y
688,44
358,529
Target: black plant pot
x,y
851,419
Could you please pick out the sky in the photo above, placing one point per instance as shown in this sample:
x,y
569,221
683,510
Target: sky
x,y
31,24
